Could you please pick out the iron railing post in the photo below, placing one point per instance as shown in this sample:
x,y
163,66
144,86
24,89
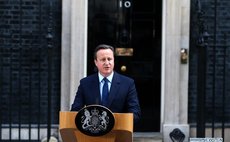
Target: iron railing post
x,y
201,70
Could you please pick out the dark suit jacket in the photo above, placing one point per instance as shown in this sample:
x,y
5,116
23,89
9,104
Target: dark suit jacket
x,y
122,96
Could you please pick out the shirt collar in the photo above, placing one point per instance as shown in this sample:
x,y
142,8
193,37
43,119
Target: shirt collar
x,y
110,77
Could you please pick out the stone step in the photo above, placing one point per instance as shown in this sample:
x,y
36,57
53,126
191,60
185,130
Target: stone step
x,y
147,137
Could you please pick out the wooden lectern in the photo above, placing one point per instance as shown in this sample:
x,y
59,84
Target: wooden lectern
x,y
121,132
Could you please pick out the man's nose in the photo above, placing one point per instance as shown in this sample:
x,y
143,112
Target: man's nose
x,y
106,61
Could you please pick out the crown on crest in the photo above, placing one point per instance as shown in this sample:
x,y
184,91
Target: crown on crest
x,y
94,111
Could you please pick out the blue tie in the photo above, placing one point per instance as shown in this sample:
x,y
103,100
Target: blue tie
x,y
105,92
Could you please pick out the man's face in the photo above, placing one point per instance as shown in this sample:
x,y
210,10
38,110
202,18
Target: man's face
x,y
105,61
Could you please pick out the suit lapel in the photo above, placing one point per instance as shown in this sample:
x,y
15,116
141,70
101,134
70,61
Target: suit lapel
x,y
95,89
114,88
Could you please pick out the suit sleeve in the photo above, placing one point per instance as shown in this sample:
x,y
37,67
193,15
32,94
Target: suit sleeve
x,y
78,102
133,102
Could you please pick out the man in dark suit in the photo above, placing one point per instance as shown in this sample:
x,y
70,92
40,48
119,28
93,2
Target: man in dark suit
x,y
121,91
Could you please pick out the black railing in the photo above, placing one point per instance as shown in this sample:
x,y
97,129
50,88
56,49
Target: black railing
x,y
27,104
212,72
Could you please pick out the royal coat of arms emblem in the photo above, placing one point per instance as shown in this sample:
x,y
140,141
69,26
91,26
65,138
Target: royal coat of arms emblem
x,y
95,120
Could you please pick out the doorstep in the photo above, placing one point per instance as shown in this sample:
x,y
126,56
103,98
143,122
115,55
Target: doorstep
x,y
147,137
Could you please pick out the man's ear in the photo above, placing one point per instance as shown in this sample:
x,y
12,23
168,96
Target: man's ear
x,y
95,62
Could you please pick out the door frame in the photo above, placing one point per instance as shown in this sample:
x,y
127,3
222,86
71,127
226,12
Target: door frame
x,y
174,78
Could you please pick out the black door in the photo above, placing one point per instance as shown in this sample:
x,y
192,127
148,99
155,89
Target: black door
x,y
134,29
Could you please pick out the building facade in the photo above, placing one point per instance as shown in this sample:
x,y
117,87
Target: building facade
x,y
179,61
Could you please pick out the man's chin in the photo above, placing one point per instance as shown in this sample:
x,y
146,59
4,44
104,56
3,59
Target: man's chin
x,y
107,73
